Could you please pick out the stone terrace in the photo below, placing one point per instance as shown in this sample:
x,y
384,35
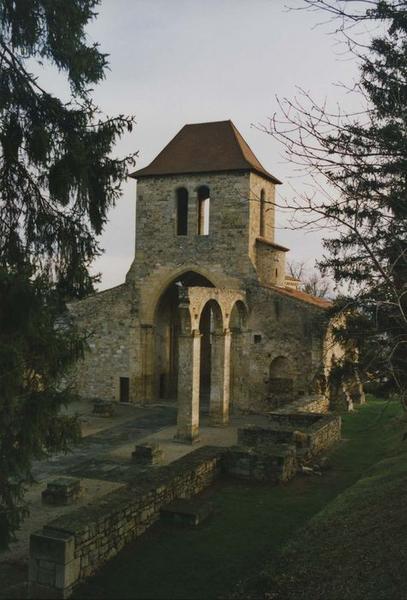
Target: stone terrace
x,y
103,459
104,465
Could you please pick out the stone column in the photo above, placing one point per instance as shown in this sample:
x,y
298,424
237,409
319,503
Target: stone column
x,y
147,361
189,359
236,370
220,379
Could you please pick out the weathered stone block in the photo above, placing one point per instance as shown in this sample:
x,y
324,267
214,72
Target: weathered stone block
x,y
66,575
273,465
52,545
149,453
103,408
62,491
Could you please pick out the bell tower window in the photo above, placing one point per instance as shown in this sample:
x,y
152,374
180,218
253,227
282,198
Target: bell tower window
x,y
182,211
203,210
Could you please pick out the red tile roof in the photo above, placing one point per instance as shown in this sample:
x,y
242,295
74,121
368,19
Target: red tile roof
x,y
205,148
298,295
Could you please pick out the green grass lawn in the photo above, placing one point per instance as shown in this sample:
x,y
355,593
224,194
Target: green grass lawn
x,y
251,525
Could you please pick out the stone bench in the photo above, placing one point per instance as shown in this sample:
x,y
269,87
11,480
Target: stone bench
x,y
186,512
62,491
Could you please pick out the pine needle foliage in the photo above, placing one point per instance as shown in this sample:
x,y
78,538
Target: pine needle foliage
x,y
58,179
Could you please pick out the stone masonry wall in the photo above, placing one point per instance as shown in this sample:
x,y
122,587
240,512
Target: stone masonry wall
x,y
161,253
257,184
270,264
106,319
310,433
280,326
278,466
315,403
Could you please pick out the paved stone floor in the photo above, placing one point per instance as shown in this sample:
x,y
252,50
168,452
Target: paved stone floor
x,y
102,460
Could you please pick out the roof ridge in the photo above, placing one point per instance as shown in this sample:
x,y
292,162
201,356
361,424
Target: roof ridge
x,y
208,123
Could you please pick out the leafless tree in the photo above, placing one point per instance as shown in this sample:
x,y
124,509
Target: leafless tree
x,y
311,281
356,163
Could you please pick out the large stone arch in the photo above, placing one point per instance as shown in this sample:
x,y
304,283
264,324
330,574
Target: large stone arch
x,y
165,333
154,287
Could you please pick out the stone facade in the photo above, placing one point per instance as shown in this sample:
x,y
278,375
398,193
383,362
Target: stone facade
x,y
105,318
147,344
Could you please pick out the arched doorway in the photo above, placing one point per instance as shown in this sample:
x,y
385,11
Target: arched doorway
x,y
166,334
211,330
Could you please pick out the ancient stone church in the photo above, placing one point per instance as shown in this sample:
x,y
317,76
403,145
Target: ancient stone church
x,y
207,315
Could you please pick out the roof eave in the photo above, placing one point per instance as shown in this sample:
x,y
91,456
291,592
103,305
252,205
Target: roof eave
x,y
320,303
139,174
262,240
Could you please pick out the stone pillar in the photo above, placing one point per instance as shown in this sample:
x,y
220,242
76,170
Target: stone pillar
x,y
220,379
189,361
147,362
236,370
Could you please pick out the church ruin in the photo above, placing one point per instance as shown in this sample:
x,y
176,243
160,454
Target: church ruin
x,y
207,315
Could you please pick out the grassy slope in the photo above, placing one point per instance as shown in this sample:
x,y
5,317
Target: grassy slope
x,y
251,526
355,547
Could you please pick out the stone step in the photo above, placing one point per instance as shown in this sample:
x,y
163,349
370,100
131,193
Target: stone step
x,y
186,512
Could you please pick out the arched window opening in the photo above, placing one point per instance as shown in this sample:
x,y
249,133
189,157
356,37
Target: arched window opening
x,y
182,211
262,213
203,210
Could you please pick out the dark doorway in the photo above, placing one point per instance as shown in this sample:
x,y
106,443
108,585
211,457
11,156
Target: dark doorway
x,y
124,389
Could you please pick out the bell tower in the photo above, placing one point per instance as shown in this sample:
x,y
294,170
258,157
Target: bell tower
x,y
205,200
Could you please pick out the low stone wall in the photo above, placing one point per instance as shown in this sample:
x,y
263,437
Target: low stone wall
x,y
253,436
310,433
74,546
317,403
276,465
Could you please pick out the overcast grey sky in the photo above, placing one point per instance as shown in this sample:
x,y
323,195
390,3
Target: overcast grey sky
x,y
183,61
